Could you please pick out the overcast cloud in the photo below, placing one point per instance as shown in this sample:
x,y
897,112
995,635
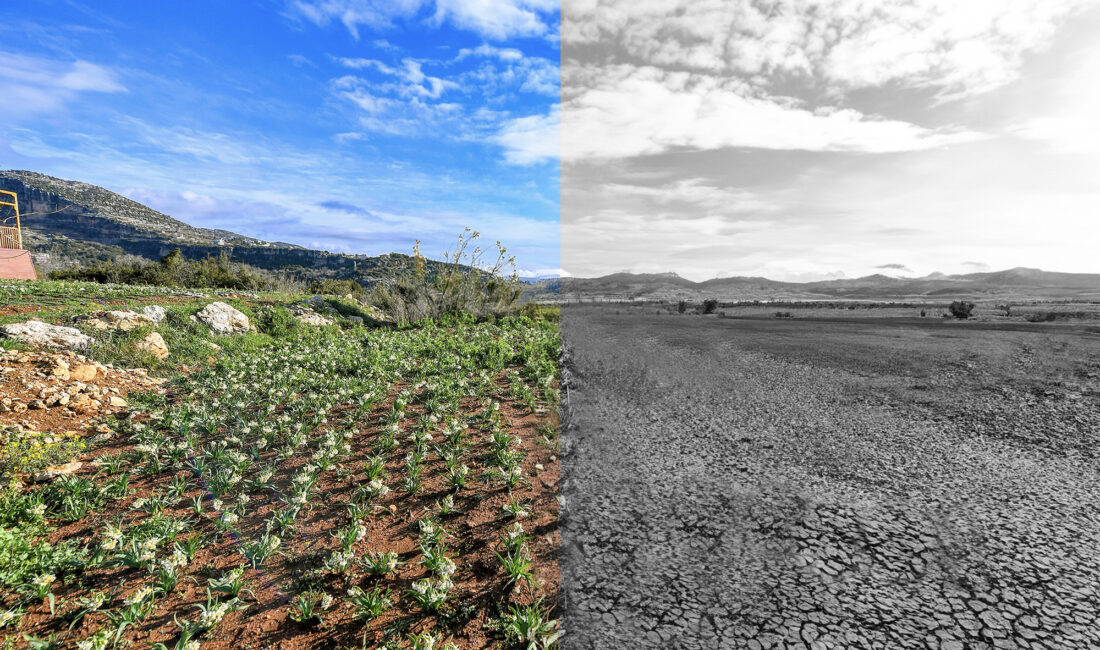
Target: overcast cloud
x,y
815,139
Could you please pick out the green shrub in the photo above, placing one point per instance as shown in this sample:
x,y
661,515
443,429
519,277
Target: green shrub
x,y
961,309
275,321
173,270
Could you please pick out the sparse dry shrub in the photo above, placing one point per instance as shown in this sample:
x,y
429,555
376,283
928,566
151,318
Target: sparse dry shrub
x,y
464,285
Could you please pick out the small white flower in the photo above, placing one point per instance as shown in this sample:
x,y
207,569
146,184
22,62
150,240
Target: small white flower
x,y
139,596
7,616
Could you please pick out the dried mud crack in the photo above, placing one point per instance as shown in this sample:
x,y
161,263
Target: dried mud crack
x,y
729,485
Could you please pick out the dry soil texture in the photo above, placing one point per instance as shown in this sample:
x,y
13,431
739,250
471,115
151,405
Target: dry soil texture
x,y
867,484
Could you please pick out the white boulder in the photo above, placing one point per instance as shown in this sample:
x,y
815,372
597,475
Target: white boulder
x,y
223,319
155,313
41,334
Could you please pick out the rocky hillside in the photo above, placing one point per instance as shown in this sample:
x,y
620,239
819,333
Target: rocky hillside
x,y
68,222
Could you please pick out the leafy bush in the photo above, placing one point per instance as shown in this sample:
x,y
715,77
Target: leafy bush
x,y
275,321
961,309
1042,317
173,270
330,287
710,305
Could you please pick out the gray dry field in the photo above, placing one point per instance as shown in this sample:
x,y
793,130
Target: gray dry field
x,y
794,484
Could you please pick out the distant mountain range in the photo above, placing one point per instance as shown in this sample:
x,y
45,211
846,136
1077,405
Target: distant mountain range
x,y
69,222
1017,283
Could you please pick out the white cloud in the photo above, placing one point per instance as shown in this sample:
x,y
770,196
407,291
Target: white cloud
x,y
416,82
630,111
31,85
410,108
486,50
955,48
374,14
508,68
695,192
498,19
1065,117
532,139
492,19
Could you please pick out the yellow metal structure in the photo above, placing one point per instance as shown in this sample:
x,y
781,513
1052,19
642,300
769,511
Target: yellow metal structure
x,y
11,237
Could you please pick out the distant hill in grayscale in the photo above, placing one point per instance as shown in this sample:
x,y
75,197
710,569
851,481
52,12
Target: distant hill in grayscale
x,y
1018,283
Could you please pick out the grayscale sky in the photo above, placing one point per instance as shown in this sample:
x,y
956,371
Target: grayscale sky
x,y
804,140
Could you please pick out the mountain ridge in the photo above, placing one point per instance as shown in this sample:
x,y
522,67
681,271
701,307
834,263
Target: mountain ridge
x,y
70,223
1020,281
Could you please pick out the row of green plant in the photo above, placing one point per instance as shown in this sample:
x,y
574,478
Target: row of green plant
x,y
274,423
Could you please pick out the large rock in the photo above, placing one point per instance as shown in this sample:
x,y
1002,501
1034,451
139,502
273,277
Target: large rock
x,y
50,473
42,334
154,344
223,319
118,319
155,313
126,320
86,372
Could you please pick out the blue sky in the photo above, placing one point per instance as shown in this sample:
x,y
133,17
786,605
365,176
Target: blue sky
x,y
350,125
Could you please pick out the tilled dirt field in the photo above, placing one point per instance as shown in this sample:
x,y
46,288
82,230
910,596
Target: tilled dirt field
x,y
762,484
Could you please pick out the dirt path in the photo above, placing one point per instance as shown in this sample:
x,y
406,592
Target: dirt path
x,y
725,489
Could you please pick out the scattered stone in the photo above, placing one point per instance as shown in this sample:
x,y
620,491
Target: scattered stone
x,y
84,372
127,320
319,304
61,370
223,319
51,473
116,401
58,399
307,316
41,334
154,344
115,319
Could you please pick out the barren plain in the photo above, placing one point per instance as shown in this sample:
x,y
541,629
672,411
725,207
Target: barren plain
x,y
870,483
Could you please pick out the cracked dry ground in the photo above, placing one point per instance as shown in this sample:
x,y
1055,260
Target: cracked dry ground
x,y
762,484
